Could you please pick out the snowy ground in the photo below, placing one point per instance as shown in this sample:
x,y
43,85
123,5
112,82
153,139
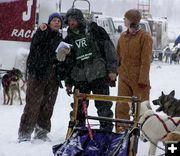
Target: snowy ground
x,y
164,77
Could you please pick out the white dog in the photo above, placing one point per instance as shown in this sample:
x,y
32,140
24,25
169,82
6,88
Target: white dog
x,y
155,127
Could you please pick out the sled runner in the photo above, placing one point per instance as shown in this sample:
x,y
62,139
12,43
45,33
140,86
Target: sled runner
x,y
85,141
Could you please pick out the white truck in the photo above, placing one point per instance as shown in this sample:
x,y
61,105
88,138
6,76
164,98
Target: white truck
x,y
18,26
108,24
158,30
104,21
15,36
119,24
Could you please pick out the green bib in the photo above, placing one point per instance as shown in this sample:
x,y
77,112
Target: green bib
x,y
85,47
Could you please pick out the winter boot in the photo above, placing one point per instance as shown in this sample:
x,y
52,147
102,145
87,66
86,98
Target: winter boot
x,y
106,125
23,138
41,134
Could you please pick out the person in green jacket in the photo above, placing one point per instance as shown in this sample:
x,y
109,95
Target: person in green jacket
x,y
92,63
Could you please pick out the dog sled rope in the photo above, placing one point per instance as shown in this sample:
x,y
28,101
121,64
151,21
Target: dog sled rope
x,y
152,141
165,126
174,122
84,105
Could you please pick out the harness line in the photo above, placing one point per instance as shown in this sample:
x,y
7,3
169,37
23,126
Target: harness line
x,y
164,125
84,105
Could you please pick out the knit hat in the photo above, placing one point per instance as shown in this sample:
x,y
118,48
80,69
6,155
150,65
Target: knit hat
x,y
51,16
76,14
133,15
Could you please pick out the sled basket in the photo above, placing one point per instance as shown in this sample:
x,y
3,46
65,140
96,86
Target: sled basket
x,y
103,143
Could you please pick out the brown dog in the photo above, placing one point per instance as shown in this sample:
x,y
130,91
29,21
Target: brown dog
x,y
173,136
10,83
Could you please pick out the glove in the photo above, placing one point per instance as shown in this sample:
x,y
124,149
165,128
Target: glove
x,y
60,84
69,90
43,26
112,79
142,86
112,76
61,54
112,83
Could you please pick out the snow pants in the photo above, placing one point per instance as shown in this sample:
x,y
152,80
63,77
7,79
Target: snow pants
x,y
126,88
98,86
40,100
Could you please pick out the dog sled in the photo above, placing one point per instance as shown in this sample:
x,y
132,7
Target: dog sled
x,y
87,141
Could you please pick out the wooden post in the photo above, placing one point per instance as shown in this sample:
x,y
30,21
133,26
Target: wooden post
x,y
73,119
134,138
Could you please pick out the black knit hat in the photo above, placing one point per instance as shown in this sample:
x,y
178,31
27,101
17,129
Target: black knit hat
x,y
76,14
53,15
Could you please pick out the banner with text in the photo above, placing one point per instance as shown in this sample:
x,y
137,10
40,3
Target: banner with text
x,y
17,19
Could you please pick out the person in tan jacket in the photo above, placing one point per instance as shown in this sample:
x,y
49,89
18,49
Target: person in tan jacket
x,y
134,51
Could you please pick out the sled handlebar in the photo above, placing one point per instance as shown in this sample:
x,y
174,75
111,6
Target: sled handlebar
x,y
4,70
110,119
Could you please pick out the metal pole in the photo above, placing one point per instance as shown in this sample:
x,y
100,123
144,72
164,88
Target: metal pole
x,y
100,118
37,14
5,70
60,1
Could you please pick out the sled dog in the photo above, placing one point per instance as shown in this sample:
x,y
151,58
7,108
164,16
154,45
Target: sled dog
x,y
10,83
168,104
155,127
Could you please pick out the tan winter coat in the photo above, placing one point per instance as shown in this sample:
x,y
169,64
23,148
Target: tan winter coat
x,y
135,52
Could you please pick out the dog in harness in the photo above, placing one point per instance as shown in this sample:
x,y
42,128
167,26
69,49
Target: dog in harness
x,y
155,127
168,104
10,83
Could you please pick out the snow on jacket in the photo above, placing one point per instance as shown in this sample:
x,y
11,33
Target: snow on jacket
x,y
135,52
103,59
42,54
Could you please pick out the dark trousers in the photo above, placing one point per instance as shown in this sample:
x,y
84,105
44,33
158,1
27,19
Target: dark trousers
x,y
98,86
40,100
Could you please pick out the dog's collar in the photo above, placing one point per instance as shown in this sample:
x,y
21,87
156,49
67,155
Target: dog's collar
x,y
146,118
